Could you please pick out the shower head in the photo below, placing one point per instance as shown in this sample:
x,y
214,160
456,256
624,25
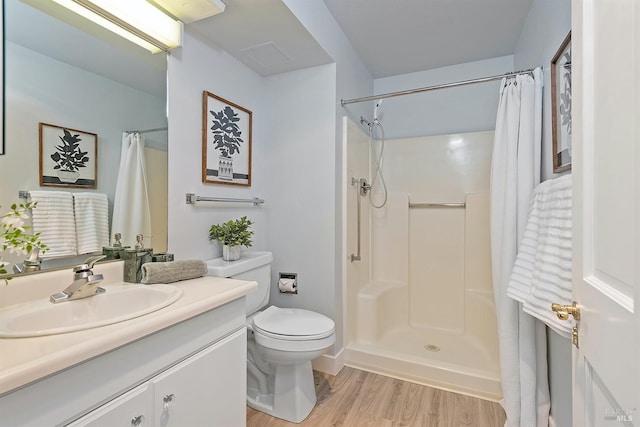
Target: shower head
x,y
375,110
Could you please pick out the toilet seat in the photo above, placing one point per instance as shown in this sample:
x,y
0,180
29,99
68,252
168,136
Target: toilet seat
x,y
292,329
293,324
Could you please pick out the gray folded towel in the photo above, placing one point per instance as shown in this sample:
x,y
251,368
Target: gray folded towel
x,y
169,272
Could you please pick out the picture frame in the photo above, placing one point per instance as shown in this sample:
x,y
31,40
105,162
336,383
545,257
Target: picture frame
x,y
68,157
561,106
226,141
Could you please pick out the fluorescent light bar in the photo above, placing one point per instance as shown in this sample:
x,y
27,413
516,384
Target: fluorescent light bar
x,y
135,20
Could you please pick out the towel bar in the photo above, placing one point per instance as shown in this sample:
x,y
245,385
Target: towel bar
x,y
191,199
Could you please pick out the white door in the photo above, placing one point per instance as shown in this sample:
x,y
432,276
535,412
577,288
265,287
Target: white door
x,y
606,176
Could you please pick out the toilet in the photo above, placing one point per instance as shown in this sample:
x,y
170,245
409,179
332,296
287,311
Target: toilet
x,y
281,342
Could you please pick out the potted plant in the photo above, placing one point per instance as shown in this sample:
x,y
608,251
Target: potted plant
x,y
233,234
15,238
69,157
226,138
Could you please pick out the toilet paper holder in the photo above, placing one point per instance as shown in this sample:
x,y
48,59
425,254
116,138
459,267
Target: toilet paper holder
x,y
288,283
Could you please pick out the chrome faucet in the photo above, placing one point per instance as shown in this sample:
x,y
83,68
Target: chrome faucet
x,y
85,283
30,264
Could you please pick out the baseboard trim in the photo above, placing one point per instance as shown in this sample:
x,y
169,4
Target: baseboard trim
x,y
329,364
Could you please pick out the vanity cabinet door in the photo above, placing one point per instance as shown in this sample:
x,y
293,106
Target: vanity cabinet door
x,y
134,408
207,389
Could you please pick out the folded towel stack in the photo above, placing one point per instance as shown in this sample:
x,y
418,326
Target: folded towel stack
x,y
53,218
169,272
542,271
92,221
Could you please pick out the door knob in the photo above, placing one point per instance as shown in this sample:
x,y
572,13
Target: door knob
x,y
563,311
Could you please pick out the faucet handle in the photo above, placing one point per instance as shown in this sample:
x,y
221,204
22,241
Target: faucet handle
x,y
88,263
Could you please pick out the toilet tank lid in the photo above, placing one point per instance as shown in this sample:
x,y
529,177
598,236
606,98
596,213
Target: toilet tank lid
x,y
248,261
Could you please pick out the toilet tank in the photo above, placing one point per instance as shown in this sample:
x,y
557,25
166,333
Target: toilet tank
x,y
252,266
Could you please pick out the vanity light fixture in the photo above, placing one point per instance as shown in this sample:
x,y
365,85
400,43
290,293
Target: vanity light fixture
x,y
136,20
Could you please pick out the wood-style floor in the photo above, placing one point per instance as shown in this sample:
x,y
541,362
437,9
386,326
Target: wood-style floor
x,y
358,398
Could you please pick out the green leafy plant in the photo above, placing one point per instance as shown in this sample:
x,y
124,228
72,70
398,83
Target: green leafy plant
x,y
69,156
226,132
14,236
233,232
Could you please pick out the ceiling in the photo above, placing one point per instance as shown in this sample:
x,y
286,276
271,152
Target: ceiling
x,y
391,36
402,36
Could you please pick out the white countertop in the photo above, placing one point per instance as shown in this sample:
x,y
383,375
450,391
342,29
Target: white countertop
x,y
24,360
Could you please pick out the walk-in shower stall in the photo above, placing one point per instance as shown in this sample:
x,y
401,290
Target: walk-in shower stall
x,y
419,301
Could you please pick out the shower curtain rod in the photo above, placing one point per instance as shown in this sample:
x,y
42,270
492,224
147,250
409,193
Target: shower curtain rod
x,y
344,102
147,130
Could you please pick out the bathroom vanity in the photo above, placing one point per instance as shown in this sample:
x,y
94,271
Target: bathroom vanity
x,y
184,364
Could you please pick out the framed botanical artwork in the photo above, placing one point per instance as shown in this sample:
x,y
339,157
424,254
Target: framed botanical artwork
x,y
226,141
68,157
561,106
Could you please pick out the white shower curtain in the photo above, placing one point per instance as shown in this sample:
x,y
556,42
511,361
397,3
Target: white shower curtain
x,y
515,171
131,213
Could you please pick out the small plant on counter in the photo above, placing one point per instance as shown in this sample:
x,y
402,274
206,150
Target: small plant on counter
x,y
14,236
234,232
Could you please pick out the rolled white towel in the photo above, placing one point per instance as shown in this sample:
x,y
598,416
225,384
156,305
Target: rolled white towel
x,y
173,271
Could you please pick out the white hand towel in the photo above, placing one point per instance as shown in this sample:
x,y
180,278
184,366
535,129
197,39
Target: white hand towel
x,y
92,221
53,218
542,272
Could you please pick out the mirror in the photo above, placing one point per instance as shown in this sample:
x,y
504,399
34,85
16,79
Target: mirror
x,y
63,70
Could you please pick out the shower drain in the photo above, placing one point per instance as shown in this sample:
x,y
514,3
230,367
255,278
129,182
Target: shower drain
x,y
432,347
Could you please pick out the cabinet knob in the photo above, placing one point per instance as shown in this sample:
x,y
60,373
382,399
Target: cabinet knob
x,y
137,421
168,400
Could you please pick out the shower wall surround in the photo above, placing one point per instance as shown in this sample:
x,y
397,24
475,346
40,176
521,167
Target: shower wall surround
x,y
420,304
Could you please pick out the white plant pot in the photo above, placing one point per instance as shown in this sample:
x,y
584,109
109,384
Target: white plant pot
x,y
69,177
231,253
225,168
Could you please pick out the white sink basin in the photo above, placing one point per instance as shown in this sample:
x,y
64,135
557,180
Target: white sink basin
x,y
117,304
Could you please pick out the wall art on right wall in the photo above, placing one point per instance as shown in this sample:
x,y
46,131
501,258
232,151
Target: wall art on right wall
x,y
561,106
226,141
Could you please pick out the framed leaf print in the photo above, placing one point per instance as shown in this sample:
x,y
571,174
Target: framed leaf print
x,y
226,142
561,106
68,157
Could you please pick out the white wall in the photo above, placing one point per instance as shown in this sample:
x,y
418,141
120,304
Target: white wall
x,y
301,181
547,25
296,160
351,80
440,112
193,68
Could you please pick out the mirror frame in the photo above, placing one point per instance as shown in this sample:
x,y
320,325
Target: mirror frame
x,y
105,37
2,152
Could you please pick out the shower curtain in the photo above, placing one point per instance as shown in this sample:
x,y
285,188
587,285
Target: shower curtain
x,y
131,213
515,171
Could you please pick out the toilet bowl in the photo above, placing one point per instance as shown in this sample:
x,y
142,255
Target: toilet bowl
x,y
281,342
